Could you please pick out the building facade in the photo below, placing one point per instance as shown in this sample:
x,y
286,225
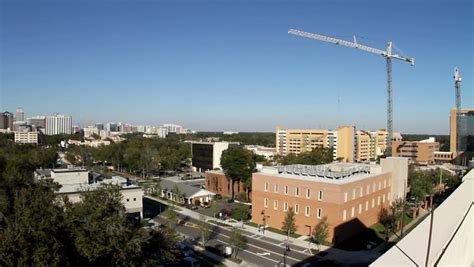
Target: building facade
x,y
348,144
6,120
207,155
461,131
350,195
421,152
20,114
218,183
26,137
58,124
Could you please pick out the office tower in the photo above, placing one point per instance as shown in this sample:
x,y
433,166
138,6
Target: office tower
x,y
20,114
58,124
111,127
461,131
38,121
6,120
99,126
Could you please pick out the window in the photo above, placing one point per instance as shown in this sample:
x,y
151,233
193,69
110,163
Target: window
x,y
276,188
134,199
297,208
353,194
378,201
128,200
373,188
266,187
297,191
285,206
308,193
352,213
286,190
265,202
320,195
361,191
380,185
360,208
307,211
373,202
319,214
345,197
344,215
384,183
368,189
383,198
275,204
366,205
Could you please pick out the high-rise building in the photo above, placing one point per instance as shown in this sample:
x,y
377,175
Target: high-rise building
x,y
38,121
99,126
6,120
173,128
111,127
207,155
20,114
58,124
461,131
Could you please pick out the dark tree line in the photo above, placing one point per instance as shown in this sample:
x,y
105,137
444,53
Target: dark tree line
x,y
40,228
138,154
320,155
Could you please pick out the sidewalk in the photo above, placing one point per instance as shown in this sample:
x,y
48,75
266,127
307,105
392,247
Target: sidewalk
x,y
334,254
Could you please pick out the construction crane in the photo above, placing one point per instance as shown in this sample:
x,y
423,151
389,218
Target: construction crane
x,y
385,53
457,86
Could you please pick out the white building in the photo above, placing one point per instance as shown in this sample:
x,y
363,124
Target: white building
x,y
26,137
267,152
187,194
75,181
173,128
58,124
90,131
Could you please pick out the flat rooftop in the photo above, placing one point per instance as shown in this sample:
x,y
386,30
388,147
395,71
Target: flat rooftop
x,y
337,173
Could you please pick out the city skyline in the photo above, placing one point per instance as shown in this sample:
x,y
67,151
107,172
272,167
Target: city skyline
x,y
212,66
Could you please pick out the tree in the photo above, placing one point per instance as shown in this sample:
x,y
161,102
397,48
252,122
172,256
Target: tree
x,y
241,213
319,155
237,241
289,225
204,229
320,232
238,165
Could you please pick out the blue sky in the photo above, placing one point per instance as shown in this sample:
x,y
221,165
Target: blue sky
x,y
230,65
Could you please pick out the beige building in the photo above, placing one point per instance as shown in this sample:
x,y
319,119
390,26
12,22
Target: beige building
x,y
349,145
461,131
26,137
350,195
421,152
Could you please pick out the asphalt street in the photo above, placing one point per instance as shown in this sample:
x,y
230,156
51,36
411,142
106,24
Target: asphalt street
x,y
260,250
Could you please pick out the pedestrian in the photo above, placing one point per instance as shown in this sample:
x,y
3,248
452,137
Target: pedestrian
x,y
259,228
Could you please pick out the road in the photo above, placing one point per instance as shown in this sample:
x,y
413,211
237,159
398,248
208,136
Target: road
x,y
260,251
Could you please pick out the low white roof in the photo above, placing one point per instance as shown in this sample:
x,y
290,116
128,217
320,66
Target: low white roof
x,y
452,239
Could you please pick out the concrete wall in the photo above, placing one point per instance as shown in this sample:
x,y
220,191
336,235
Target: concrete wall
x,y
398,167
70,177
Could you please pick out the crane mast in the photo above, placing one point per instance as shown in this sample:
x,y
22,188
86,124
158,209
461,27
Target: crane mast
x,y
385,53
457,86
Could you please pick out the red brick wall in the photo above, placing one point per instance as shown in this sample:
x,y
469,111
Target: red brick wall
x,y
332,204
217,182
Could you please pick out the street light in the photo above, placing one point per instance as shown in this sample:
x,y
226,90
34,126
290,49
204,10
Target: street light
x,y
264,219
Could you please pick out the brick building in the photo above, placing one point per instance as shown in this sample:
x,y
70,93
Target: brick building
x,y
421,152
350,195
217,182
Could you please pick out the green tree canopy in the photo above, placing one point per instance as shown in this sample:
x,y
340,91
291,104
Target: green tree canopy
x,y
289,224
320,232
238,165
319,155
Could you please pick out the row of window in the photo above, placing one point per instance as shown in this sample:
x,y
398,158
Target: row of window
x,y
361,189
307,210
297,191
380,200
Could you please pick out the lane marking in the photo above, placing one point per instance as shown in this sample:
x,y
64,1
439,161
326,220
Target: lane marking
x,y
251,252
